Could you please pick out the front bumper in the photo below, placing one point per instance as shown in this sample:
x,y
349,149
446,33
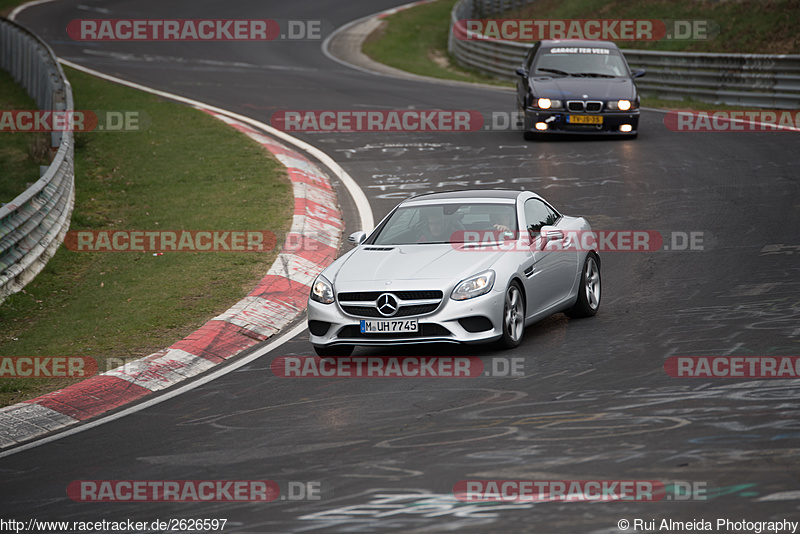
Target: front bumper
x,y
451,322
557,122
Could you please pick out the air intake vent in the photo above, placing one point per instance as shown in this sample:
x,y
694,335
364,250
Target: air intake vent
x,y
379,249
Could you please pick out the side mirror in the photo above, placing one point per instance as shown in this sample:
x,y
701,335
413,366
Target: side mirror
x,y
522,72
638,73
356,238
550,234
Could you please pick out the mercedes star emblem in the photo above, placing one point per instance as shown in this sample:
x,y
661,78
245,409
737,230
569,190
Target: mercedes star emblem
x,y
387,304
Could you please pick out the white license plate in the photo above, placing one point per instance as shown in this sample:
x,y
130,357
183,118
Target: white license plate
x,y
389,327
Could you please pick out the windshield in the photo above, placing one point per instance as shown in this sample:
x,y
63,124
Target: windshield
x,y
446,223
579,61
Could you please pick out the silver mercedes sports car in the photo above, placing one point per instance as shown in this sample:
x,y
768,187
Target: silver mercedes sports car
x,y
459,266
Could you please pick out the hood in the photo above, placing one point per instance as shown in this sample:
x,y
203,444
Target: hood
x,y
413,262
573,88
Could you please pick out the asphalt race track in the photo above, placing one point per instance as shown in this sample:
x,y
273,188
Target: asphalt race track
x,y
594,401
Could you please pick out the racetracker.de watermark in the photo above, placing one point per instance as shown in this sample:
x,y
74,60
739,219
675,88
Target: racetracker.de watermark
x,y
47,366
72,121
733,121
559,240
586,29
733,366
559,490
396,121
198,30
170,241
575,240
398,367
408,120
377,120
194,490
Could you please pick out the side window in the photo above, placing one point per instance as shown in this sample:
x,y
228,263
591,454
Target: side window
x,y
538,214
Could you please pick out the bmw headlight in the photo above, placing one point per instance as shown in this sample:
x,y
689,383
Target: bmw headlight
x,y
322,290
621,105
546,103
474,286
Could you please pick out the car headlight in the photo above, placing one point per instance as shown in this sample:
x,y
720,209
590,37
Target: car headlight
x,y
621,105
546,103
474,286
322,290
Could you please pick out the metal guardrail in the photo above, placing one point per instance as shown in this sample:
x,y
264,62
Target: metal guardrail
x,y
496,58
35,223
756,80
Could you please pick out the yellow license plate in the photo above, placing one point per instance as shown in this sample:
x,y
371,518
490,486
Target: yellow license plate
x,y
585,119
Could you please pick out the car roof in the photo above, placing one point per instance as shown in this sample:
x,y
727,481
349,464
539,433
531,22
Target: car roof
x,y
499,194
584,43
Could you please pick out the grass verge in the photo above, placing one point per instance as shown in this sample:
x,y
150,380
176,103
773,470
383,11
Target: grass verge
x,y
21,153
185,171
415,40
7,6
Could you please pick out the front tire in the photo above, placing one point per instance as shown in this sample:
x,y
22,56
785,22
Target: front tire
x,y
589,291
333,350
513,317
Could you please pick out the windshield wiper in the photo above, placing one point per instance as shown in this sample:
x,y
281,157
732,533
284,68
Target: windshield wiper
x,y
594,74
556,71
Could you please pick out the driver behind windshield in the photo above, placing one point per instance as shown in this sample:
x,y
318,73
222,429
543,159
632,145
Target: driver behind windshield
x,y
436,228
